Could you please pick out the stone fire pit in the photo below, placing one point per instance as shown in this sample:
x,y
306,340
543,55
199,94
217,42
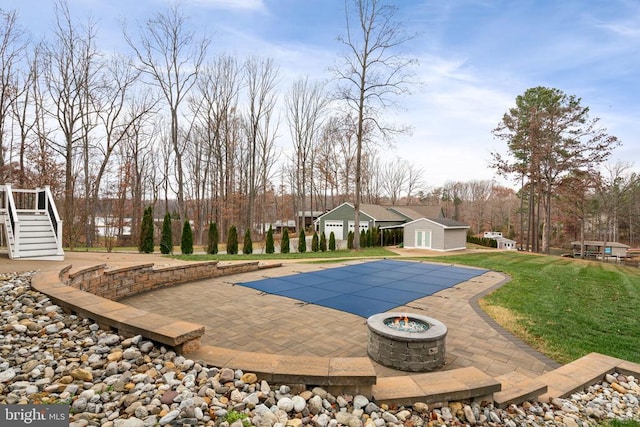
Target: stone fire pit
x,y
408,342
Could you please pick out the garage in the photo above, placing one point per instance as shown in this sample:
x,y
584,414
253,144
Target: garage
x,y
334,226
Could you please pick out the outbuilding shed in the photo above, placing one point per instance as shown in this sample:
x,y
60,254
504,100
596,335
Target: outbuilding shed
x,y
440,234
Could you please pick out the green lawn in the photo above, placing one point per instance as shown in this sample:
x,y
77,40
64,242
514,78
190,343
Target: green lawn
x,y
566,308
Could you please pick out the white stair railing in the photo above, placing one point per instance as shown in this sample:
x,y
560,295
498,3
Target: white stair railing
x,y
13,226
45,203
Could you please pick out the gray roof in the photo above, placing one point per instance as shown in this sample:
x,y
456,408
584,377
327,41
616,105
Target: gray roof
x,y
419,211
449,223
601,243
380,213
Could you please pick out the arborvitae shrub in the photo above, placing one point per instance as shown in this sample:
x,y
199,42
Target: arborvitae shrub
x,y
232,241
186,245
375,236
315,243
323,242
350,240
363,239
247,246
302,242
146,232
284,244
269,246
332,242
369,238
212,239
166,240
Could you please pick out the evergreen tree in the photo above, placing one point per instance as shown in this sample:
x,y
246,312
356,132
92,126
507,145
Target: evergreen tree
x,y
284,245
363,239
166,240
323,242
247,246
302,242
146,232
375,236
332,242
232,241
212,239
350,240
315,243
186,245
270,247
369,238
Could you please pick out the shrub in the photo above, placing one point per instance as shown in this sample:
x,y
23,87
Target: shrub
x,y
186,245
302,242
315,244
363,239
284,244
323,242
369,238
166,240
483,241
269,246
146,232
375,236
332,242
247,246
232,241
212,239
350,240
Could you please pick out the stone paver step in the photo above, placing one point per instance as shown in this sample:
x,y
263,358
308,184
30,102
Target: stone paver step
x,y
444,386
518,388
337,374
577,375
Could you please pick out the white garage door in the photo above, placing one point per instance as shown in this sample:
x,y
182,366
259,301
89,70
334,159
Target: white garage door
x,y
334,226
364,225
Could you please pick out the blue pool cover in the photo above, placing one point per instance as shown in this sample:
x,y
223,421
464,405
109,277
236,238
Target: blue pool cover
x,y
368,288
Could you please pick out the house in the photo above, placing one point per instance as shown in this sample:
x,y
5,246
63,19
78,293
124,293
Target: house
x,y
424,226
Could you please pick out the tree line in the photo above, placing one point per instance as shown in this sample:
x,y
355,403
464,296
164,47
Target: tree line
x,y
171,124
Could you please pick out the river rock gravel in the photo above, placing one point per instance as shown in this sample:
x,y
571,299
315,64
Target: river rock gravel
x,y
48,356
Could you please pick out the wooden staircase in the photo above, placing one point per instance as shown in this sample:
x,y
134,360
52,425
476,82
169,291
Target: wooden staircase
x,y
33,229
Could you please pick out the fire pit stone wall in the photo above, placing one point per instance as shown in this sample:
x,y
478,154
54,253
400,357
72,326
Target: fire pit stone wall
x,y
406,351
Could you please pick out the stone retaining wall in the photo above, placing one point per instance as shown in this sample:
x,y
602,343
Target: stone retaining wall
x,y
115,284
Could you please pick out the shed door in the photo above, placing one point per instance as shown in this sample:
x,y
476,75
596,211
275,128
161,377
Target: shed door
x,y
423,239
335,227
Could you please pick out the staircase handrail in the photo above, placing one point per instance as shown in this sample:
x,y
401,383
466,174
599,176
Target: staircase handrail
x,y
46,203
13,217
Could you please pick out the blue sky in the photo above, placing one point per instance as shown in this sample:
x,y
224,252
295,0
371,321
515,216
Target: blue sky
x,y
475,57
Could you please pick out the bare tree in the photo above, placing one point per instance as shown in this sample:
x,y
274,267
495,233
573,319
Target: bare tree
x,y
305,107
13,44
215,107
372,74
171,56
70,66
612,187
261,81
394,178
118,113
